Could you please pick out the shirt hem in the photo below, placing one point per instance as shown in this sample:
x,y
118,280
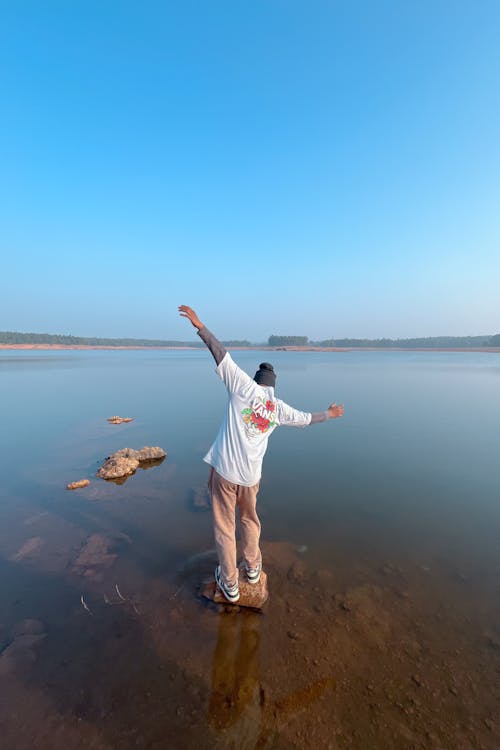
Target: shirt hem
x,y
231,479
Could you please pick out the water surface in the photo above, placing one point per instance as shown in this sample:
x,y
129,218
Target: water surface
x,y
380,536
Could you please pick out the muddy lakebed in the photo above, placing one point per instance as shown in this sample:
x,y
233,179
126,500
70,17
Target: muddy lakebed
x,y
380,542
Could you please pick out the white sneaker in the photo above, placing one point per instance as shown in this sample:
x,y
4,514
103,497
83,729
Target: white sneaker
x,y
253,574
231,593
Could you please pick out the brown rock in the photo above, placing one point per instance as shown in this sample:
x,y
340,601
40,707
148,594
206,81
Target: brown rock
x,y
125,461
96,552
30,548
253,595
119,420
78,485
115,467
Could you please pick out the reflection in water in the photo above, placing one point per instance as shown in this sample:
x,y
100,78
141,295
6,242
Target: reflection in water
x,y
237,708
236,700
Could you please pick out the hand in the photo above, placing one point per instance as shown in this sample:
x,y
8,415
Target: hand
x,y
335,411
188,312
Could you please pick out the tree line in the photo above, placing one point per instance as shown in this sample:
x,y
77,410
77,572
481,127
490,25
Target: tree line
x,y
429,342
14,337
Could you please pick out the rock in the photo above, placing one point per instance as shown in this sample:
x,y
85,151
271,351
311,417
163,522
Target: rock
x,y
127,460
28,549
96,552
124,462
116,467
78,485
253,595
119,420
147,453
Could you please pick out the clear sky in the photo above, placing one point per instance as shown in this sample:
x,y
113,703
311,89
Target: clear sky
x,y
321,168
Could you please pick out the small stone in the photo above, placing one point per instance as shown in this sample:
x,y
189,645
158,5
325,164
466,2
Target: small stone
x,y
416,680
78,484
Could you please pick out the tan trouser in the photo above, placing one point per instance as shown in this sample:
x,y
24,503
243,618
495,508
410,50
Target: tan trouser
x,y
225,497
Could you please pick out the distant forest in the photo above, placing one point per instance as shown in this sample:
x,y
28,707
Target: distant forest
x,y
13,337
417,343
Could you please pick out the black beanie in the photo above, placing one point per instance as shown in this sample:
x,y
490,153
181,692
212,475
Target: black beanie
x,y
265,375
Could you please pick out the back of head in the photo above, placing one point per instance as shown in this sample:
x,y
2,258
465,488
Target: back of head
x,y
265,375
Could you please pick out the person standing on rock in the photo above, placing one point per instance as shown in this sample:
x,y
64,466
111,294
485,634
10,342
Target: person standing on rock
x,y
253,412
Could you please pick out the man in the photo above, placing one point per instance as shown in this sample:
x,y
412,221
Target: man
x,y
252,414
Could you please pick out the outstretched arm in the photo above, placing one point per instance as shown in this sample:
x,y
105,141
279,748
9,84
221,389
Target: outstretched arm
x,y
214,345
290,417
333,412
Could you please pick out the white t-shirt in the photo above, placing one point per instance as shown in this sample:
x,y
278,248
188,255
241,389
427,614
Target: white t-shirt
x,y
252,414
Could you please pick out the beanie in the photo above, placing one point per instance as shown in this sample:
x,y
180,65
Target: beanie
x,y
265,375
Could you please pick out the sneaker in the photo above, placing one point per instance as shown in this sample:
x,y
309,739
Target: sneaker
x,y
231,593
253,574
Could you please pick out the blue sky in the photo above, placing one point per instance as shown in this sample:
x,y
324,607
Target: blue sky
x,y
320,168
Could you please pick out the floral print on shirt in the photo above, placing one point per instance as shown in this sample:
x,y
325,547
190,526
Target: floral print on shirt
x,y
260,416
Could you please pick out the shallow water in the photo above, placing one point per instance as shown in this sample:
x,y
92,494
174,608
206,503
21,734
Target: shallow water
x,y
382,631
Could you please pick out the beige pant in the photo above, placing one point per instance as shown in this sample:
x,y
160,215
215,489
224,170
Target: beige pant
x,y
225,497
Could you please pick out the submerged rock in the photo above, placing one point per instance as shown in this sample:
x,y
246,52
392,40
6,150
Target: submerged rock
x,y
124,462
78,485
99,551
20,651
30,548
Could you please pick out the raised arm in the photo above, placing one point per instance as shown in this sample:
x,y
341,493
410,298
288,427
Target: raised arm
x,y
217,349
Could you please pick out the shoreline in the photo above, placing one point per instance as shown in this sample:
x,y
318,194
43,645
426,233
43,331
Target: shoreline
x,y
83,347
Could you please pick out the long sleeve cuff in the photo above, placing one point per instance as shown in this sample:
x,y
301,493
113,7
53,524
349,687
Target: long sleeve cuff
x,y
217,349
319,416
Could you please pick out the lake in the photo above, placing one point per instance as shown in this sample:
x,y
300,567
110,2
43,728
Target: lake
x,y
380,540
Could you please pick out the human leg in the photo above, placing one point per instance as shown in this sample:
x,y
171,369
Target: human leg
x,y
224,505
250,526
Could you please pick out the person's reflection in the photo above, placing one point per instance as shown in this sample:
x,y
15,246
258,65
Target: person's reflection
x,y
235,702
237,709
